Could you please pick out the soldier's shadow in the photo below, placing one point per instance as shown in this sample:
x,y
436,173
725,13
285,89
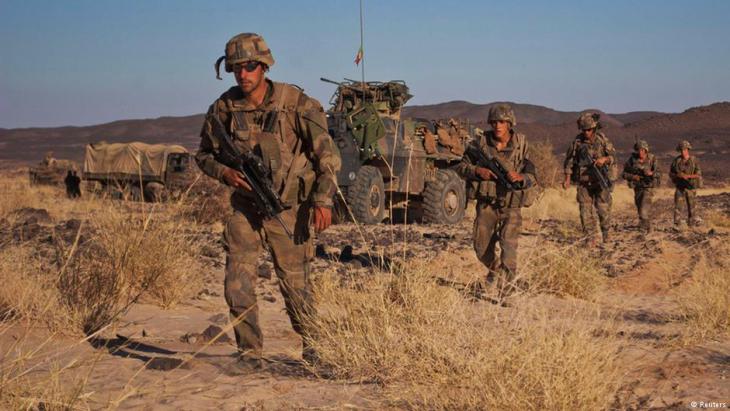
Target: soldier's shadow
x,y
346,256
162,359
126,348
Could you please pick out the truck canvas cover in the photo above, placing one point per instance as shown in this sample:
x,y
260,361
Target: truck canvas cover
x,y
128,160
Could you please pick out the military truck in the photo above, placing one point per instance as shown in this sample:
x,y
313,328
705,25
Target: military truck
x,y
387,157
147,171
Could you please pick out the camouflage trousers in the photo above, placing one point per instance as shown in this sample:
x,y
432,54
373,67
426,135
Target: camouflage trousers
x,y
684,197
246,234
590,197
643,198
494,226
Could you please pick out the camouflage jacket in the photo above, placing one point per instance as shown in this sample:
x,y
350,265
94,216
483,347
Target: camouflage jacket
x,y
296,146
635,167
514,157
689,167
599,147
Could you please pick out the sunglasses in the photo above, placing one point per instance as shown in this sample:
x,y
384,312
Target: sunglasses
x,y
248,66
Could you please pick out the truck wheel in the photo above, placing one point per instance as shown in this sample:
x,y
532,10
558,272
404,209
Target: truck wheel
x,y
444,199
154,192
366,196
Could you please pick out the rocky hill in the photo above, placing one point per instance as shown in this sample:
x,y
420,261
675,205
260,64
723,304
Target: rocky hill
x,y
706,127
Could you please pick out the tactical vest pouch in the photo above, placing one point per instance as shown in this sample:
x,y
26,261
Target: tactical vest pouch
x,y
487,190
271,154
524,198
242,135
472,189
306,182
299,181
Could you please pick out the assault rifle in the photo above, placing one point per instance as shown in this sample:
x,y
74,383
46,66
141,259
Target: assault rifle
x,y
685,183
253,169
491,163
644,180
596,173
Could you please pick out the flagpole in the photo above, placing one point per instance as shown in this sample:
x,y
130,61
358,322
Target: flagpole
x,y
362,41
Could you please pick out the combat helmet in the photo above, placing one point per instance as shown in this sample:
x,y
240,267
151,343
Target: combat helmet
x,y
502,112
684,144
589,121
641,144
244,47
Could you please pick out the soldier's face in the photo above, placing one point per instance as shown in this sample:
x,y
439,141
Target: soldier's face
x,y
642,153
500,127
249,78
589,133
685,153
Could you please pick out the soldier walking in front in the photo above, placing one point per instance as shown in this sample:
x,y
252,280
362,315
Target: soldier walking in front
x,y
686,175
499,216
641,173
287,130
587,165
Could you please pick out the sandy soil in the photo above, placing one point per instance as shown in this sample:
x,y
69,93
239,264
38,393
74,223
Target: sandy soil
x,y
160,359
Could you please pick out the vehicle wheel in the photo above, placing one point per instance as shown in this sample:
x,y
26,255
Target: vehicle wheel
x,y
366,196
444,199
154,192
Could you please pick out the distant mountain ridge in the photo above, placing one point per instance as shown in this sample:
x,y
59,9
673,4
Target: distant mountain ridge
x,y
706,127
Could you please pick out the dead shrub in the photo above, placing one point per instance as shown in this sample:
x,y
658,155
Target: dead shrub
x,y
431,348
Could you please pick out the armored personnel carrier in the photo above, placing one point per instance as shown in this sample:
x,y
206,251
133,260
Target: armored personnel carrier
x,y
386,157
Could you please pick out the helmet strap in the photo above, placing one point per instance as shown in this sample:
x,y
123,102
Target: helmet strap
x,y
218,67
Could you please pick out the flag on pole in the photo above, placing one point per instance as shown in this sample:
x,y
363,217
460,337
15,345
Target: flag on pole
x,y
358,56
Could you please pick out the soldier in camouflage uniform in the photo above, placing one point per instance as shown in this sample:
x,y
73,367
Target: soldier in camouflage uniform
x,y
499,215
687,177
590,194
640,171
303,161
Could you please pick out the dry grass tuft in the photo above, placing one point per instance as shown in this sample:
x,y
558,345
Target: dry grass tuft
x,y
28,292
432,348
31,378
128,255
564,271
704,301
718,219
119,257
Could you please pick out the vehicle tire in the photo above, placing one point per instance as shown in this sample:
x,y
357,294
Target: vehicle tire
x,y
366,196
154,192
444,199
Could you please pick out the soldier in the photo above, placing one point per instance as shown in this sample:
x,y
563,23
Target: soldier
x,y
687,177
594,145
72,182
640,171
499,215
303,161
49,160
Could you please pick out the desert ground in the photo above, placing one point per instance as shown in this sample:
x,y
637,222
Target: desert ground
x,y
109,304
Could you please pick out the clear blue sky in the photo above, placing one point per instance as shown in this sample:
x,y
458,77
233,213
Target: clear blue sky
x,y
84,62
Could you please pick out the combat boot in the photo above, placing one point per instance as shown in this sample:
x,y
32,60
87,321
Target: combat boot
x,y
244,365
695,222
